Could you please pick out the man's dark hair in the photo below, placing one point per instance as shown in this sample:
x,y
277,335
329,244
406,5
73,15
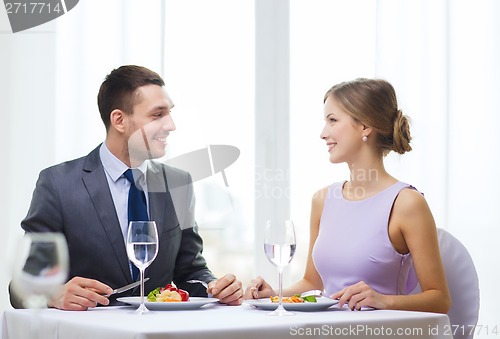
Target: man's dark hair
x,y
117,90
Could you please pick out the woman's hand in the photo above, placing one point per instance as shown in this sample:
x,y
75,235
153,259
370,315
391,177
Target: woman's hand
x,y
259,288
360,295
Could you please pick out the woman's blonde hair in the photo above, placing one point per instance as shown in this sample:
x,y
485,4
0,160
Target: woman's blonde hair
x,y
373,103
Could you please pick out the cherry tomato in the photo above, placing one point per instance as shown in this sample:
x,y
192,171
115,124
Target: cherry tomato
x,y
184,294
168,287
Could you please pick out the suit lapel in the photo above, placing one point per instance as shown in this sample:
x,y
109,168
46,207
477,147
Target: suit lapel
x,y
94,179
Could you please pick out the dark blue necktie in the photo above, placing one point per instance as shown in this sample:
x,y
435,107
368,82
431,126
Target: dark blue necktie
x,y
137,208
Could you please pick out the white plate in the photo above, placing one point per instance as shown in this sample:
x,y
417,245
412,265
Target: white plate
x,y
192,304
320,305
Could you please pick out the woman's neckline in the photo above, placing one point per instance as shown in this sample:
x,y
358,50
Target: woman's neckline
x,y
367,198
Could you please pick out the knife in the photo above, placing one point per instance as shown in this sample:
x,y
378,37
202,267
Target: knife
x,y
126,287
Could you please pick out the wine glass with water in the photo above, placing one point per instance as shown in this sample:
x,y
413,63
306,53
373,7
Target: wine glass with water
x,y
40,268
142,248
279,246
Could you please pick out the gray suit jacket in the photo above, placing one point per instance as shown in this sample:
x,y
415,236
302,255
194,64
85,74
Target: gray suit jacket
x,y
73,198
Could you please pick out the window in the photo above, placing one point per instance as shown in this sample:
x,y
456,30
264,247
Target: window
x,y
209,71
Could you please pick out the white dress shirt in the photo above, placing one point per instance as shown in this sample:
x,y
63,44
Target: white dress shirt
x,y
119,185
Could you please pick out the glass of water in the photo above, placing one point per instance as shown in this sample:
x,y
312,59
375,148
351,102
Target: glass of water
x,y
279,246
142,248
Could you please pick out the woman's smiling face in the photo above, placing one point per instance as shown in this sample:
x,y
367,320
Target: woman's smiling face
x,y
343,135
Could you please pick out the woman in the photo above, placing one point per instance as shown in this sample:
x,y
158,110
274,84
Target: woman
x,y
368,233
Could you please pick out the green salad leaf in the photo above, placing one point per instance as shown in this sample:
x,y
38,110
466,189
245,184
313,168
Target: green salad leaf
x,y
152,294
311,299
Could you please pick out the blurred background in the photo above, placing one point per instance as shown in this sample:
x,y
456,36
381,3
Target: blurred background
x,y
252,74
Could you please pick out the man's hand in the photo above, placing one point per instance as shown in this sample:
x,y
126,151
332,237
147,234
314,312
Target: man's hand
x,y
79,294
227,289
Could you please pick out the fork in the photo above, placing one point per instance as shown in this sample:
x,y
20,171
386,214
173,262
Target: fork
x,y
194,281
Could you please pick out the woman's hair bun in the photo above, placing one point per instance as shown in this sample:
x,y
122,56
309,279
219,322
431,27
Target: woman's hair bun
x,y
401,135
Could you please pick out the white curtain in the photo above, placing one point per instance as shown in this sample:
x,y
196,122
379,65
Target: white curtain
x,y
91,40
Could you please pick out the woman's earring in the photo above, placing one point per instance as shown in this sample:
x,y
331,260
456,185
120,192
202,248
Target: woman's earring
x,y
365,138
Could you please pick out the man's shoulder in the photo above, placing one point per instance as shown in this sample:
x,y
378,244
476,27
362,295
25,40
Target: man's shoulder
x,y
73,165
175,176
66,166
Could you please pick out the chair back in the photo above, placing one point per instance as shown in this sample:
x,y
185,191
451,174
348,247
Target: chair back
x,y
463,284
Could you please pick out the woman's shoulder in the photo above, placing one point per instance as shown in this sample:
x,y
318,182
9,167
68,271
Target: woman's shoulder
x,y
409,201
319,197
413,215
323,192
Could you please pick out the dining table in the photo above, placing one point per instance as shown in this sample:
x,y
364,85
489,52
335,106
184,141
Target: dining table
x,y
217,321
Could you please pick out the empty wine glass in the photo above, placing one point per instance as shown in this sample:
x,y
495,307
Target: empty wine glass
x,y
279,246
142,248
40,268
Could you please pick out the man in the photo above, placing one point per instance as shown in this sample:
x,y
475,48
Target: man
x,y
87,200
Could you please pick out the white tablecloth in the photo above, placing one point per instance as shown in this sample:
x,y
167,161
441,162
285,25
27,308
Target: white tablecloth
x,y
219,322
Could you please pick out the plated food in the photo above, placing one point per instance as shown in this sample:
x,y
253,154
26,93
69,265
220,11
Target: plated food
x,y
192,304
321,304
296,298
169,298
169,293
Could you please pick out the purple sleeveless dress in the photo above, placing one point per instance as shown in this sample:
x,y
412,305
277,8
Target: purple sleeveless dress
x,y
353,243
